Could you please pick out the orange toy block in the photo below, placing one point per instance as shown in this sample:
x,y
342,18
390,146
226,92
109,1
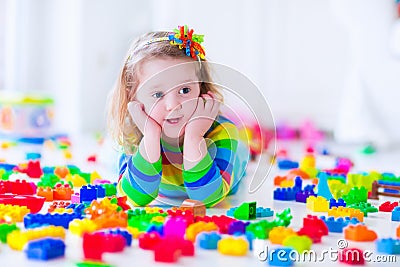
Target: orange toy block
x,y
62,192
197,207
195,228
292,174
359,232
279,179
61,171
279,233
46,192
398,231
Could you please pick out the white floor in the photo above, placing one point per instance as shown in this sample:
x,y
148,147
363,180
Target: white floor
x,y
384,161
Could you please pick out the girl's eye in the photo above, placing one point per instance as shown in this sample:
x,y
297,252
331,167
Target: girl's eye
x,y
157,95
184,90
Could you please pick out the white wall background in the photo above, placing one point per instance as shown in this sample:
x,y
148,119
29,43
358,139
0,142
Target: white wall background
x,y
297,52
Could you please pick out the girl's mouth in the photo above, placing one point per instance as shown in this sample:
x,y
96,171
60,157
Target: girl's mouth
x,y
173,120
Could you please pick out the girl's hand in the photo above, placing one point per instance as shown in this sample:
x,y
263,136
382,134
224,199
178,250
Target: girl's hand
x,y
204,115
143,121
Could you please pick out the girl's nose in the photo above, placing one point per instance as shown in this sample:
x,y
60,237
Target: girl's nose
x,y
172,102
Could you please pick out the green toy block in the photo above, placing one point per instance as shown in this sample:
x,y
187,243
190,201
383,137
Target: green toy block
x,y
93,264
283,218
5,229
364,207
356,195
260,229
110,189
246,211
298,243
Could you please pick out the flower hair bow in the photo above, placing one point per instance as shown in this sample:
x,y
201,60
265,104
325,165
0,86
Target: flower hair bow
x,y
185,39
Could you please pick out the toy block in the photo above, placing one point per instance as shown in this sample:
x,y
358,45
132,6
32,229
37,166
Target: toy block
x,y
316,224
18,239
336,225
283,218
12,214
231,211
57,206
388,206
286,164
298,243
61,171
359,232
279,233
159,228
165,252
317,204
175,227
35,220
352,256
293,173
45,249
208,240
336,203
197,207
260,229
264,212
388,246
94,245
279,179
33,203
124,233
5,229
396,214
246,211
286,194
346,212
149,240
364,207
398,231
194,229
283,259
356,195
62,192
22,187
111,189
222,222
76,179
323,188
302,195
233,246
82,226
88,193
237,227
45,192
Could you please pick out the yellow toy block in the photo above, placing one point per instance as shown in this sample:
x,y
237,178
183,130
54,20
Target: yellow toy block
x,y
346,212
76,180
12,214
280,233
80,227
94,176
195,228
133,231
317,204
307,165
233,246
152,209
287,183
18,239
159,219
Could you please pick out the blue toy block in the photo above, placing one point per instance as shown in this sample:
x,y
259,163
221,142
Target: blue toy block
x,y
388,246
396,214
280,257
57,219
287,194
7,167
88,193
264,212
48,170
230,212
337,225
78,208
125,234
237,227
208,240
286,164
323,188
309,187
302,196
298,183
32,156
156,228
338,203
250,238
101,191
45,249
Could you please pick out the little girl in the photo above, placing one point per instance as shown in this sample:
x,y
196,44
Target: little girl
x,y
164,112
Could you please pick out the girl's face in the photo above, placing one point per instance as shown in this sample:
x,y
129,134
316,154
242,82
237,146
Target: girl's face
x,y
169,89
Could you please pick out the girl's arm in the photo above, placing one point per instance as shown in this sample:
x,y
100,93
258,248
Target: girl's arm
x,y
210,177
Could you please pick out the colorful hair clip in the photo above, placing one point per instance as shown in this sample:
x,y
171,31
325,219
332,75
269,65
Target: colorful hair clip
x,y
184,38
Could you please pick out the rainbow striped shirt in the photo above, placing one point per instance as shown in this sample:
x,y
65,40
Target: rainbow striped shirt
x,y
209,181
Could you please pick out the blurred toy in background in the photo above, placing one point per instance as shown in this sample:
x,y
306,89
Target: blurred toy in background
x,y
26,117
257,138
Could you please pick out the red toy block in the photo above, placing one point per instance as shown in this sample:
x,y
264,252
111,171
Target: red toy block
x,y
22,187
149,240
32,169
122,203
56,205
387,206
166,253
316,224
94,245
187,215
352,256
33,203
92,158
